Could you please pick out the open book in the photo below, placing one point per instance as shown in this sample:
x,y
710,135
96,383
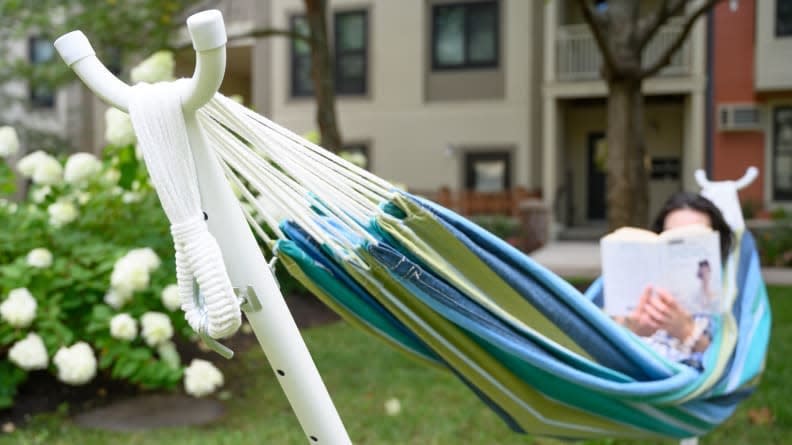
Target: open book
x,y
685,261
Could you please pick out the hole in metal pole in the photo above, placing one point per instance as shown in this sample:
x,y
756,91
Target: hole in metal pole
x,y
206,217
314,439
281,373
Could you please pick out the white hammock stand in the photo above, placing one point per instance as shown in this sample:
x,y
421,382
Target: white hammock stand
x,y
247,268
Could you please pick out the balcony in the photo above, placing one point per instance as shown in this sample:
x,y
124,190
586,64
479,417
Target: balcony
x,y
240,16
578,58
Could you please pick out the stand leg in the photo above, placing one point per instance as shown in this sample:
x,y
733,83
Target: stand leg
x,y
273,324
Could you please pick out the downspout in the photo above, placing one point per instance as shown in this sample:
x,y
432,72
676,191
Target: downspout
x,y
710,96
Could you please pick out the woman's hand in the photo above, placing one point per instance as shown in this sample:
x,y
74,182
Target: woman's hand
x,y
639,320
668,314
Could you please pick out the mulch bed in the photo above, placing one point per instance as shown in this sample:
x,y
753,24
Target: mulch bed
x,y
42,392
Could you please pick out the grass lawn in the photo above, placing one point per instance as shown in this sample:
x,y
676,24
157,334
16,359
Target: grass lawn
x,y
362,374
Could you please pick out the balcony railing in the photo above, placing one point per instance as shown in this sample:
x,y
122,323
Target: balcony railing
x,y
233,11
578,57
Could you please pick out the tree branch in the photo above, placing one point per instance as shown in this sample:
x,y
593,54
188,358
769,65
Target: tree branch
x,y
598,25
649,25
269,32
665,57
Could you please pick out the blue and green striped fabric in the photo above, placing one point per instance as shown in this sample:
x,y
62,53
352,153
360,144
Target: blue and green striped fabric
x,y
541,354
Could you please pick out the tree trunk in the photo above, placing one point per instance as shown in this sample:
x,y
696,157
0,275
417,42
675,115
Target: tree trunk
x,y
322,74
627,181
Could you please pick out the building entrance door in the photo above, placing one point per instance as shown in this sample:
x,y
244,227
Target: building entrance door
x,y
596,202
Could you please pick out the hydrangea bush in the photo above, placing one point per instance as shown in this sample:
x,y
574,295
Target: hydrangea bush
x,y
87,281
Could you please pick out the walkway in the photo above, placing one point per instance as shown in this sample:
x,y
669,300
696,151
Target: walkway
x,y
581,259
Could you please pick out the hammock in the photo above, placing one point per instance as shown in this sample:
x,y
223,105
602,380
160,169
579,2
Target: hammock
x,y
425,280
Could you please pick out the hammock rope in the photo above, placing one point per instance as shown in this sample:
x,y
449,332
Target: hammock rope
x,y
158,120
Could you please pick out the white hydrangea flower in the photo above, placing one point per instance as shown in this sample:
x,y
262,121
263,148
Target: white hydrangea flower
x,y
129,276
112,176
168,353
131,197
202,378
123,327
62,213
171,298
29,353
9,142
19,309
145,256
40,194
116,299
40,258
76,365
157,328
83,198
81,167
27,165
392,407
48,171
118,128
157,68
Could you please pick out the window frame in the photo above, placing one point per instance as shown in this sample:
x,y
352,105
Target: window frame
x,y
776,194
788,32
294,92
338,55
46,101
473,156
466,64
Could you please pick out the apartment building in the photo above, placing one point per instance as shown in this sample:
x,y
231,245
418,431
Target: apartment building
x,y
752,98
493,95
38,108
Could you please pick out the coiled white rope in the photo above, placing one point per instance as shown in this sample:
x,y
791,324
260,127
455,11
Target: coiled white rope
x,y
158,120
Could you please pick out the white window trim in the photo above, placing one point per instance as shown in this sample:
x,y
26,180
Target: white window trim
x,y
769,132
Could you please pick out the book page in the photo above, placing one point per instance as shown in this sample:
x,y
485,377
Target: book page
x,y
692,270
628,266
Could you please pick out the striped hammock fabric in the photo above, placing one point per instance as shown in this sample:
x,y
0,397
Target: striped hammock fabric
x,y
542,355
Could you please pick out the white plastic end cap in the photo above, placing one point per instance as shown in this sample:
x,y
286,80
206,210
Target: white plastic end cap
x,y
207,30
73,47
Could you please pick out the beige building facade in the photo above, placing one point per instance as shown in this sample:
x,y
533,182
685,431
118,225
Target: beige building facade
x,y
469,94
539,108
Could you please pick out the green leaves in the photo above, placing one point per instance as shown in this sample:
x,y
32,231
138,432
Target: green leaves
x,y
70,292
12,377
7,179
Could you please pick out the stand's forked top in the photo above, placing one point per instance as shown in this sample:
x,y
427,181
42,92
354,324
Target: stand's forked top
x,y
207,32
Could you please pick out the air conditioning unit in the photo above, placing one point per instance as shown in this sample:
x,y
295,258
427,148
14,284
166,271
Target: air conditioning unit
x,y
739,117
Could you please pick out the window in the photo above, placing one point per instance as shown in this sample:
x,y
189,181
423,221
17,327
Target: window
x,y
351,55
351,52
781,156
665,168
783,17
357,154
488,172
41,51
465,35
301,82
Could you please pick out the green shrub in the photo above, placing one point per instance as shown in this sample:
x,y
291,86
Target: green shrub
x,y
504,227
775,242
87,278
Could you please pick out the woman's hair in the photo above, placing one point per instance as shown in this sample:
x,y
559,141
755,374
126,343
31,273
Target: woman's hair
x,y
694,201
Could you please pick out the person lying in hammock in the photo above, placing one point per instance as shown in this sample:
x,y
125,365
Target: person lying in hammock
x,y
658,318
